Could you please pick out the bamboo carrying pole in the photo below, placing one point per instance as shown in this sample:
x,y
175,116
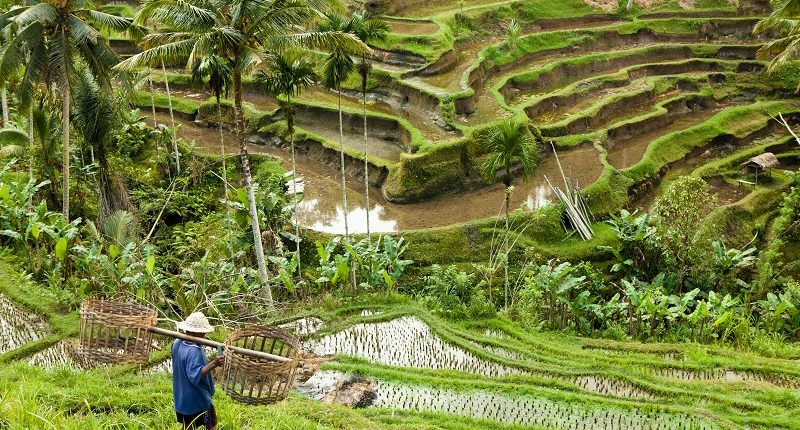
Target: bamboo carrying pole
x,y
214,344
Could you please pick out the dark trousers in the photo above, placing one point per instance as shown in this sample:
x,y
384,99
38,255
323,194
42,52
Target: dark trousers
x,y
206,419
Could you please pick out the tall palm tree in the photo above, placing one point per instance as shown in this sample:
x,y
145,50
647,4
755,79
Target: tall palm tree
x,y
338,67
507,144
241,31
96,117
368,29
289,74
784,20
218,72
51,37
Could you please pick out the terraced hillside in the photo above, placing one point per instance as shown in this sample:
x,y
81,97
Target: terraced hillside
x,y
621,96
426,373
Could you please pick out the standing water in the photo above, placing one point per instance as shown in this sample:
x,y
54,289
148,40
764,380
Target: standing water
x,y
405,342
321,209
18,327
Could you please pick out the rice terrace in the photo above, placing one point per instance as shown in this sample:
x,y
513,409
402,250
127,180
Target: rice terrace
x,y
400,214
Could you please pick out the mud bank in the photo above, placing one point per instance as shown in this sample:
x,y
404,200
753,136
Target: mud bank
x,y
590,89
713,30
566,72
387,138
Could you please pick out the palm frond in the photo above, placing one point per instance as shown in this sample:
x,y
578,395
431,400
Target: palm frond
x,y
44,13
177,14
105,21
172,52
13,136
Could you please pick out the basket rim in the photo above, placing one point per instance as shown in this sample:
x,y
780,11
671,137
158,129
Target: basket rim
x,y
285,336
96,306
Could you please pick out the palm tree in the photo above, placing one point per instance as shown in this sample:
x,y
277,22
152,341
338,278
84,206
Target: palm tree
x,y
785,20
218,72
367,29
51,37
241,31
96,117
507,144
289,74
337,67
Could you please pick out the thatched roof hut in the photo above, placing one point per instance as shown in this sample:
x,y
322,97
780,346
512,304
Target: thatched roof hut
x,y
762,162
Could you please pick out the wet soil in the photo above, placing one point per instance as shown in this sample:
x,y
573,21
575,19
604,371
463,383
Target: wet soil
x,y
412,28
626,151
321,208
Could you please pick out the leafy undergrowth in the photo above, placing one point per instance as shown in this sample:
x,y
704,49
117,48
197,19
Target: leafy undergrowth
x,y
588,378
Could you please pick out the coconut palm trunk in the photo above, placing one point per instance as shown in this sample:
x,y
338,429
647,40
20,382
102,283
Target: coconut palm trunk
x,y
364,76
172,118
341,155
30,142
4,102
65,103
290,126
507,250
248,184
224,172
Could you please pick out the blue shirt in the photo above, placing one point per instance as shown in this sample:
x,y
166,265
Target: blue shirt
x,y
191,390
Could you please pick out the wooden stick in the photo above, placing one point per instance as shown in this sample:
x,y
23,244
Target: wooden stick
x,y
213,344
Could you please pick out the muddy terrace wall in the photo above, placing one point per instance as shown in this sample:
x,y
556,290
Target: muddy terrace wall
x,y
607,112
674,108
353,167
558,101
565,72
641,188
604,41
424,105
385,128
405,59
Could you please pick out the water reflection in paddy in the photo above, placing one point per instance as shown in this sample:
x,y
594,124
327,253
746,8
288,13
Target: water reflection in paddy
x,y
322,209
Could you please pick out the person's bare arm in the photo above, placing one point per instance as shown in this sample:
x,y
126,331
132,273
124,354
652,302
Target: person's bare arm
x,y
213,364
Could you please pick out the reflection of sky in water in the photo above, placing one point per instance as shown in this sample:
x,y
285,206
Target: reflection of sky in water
x,y
539,196
311,214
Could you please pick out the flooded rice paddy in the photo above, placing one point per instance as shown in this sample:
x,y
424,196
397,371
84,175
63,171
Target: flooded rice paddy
x,y
500,407
18,326
321,208
405,342
304,327
729,375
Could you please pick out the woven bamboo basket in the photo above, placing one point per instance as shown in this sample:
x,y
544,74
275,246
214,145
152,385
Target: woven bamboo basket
x,y
259,381
115,332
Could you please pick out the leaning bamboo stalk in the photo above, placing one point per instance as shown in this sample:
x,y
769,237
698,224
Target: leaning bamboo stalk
x,y
214,344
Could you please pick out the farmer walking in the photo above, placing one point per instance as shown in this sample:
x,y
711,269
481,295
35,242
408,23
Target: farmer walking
x,y
192,385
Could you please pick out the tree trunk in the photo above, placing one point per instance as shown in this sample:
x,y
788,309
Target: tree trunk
x,y
629,6
4,102
341,154
172,117
248,184
364,77
507,202
65,150
30,142
290,126
506,245
224,175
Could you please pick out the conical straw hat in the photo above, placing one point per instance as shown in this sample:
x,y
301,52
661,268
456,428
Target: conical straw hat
x,y
196,323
